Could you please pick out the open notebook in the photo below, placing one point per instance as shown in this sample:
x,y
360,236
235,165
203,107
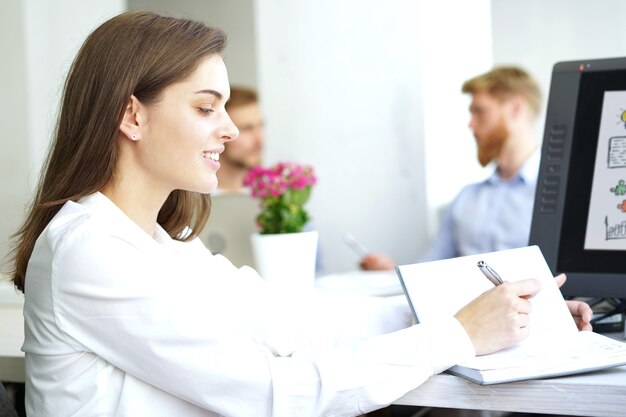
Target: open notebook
x,y
555,346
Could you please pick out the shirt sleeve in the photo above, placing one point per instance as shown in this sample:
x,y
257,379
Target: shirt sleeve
x,y
219,337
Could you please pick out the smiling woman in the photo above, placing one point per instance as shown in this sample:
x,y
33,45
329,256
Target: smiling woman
x,y
127,313
110,76
174,143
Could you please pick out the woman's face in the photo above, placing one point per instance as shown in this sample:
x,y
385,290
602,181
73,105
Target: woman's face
x,y
185,131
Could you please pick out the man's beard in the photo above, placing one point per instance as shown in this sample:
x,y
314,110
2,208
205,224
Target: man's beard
x,y
490,147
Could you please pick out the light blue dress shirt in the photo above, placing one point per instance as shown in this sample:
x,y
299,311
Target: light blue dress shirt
x,y
488,216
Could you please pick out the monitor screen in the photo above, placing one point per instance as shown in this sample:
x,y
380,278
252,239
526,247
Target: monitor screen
x,y
579,218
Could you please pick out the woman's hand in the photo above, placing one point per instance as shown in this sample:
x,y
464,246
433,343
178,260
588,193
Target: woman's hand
x,y
498,318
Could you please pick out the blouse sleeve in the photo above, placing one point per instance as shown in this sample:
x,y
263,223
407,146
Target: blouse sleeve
x,y
193,325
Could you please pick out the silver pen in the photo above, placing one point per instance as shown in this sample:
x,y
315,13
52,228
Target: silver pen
x,y
490,273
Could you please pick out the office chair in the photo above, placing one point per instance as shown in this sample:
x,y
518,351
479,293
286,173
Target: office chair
x,y
7,409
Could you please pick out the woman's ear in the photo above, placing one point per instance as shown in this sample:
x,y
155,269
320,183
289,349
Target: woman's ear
x,y
130,125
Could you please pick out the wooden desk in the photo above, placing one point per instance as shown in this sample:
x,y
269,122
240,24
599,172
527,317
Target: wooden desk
x,y
601,394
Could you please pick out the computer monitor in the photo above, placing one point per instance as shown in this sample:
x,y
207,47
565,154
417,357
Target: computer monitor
x,y
579,218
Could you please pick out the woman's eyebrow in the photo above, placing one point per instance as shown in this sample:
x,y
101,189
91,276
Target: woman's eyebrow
x,y
217,94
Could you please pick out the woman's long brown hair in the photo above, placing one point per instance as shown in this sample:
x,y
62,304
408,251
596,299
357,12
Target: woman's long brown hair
x,y
135,53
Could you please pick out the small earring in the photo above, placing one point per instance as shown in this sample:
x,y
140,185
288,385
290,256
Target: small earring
x,y
133,136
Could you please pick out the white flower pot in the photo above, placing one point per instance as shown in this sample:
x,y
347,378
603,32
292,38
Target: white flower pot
x,y
286,260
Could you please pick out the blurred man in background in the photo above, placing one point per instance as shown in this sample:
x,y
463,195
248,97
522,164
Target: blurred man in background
x,y
496,213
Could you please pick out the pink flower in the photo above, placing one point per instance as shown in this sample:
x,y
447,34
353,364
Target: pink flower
x,y
283,190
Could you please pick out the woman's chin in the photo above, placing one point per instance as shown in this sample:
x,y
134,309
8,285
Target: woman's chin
x,y
207,187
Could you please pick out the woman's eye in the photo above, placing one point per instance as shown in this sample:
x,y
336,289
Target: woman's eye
x,y
205,110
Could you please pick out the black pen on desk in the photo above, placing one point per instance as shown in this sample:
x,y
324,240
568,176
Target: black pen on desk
x,y
490,273
355,245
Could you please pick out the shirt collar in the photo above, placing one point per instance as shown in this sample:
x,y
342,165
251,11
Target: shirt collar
x,y
527,173
101,203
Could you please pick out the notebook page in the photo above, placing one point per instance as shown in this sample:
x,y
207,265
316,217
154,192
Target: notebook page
x,y
441,288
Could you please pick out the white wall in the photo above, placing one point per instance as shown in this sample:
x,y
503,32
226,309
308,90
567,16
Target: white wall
x,y
14,147
235,17
454,47
38,40
537,33
368,95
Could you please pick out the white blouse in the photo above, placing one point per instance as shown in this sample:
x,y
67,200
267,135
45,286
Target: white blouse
x,y
120,323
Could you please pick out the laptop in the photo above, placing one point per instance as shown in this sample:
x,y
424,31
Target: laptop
x,y
232,221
